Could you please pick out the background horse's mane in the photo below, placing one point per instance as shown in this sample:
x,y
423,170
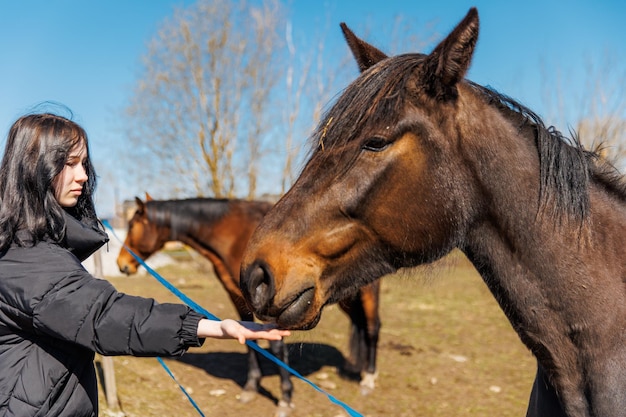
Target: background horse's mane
x,y
182,215
379,95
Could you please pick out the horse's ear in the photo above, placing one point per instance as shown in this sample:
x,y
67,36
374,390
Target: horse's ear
x,y
450,60
365,54
148,197
141,206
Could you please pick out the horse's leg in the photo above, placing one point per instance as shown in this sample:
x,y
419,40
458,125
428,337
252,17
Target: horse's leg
x,y
285,405
544,401
363,310
253,380
251,387
370,302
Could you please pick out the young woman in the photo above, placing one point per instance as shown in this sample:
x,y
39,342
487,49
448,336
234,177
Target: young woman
x,y
53,314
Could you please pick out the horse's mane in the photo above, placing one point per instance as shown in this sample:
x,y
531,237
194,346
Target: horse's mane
x,y
566,167
380,93
187,214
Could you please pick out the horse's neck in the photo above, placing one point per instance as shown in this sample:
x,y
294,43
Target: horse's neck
x,y
545,272
553,280
518,237
517,265
519,232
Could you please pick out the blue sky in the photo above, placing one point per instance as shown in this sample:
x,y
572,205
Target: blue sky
x,y
85,54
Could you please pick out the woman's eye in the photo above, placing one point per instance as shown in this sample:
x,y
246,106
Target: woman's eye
x,y
375,144
72,162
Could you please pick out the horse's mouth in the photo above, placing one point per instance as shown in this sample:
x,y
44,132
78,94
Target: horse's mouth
x,y
301,313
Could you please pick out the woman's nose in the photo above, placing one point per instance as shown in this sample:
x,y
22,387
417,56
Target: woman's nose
x,y
81,174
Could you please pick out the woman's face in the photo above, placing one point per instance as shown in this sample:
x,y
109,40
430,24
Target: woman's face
x,y
68,185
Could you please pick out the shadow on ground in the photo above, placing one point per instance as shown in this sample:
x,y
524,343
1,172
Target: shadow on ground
x,y
305,358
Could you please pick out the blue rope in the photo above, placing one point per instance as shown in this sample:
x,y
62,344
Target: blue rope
x,y
253,345
167,369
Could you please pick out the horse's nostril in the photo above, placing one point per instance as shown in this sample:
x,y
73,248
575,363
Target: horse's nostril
x,y
260,286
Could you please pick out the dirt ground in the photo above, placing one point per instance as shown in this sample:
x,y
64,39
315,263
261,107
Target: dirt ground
x,y
445,349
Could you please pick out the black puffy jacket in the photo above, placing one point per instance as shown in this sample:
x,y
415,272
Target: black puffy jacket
x,y
54,315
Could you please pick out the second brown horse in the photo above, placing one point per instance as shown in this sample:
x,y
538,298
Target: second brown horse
x,y
219,230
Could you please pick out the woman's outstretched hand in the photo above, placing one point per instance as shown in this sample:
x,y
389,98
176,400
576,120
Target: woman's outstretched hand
x,y
240,330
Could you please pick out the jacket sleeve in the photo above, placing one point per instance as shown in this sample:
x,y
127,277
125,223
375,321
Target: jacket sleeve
x,y
90,312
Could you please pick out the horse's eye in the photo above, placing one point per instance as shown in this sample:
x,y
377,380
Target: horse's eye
x,y
375,144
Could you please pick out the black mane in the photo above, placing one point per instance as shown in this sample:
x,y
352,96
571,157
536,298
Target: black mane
x,y
566,166
186,215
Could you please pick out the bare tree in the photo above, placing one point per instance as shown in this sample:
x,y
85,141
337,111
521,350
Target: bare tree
x,y
203,100
603,122
294,86
309,85
210,115
264,79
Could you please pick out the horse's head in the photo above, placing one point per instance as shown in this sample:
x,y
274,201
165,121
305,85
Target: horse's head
x,y
375,194
143,239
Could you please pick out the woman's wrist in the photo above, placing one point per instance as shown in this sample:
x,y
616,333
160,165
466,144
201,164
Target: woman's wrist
x,y
210,328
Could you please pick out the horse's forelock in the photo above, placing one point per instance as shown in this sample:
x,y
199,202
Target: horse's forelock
x,y
376,96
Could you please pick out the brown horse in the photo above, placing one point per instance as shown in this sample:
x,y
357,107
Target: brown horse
x,y
219,230
413,160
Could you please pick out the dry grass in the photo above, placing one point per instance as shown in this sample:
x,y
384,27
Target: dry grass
x,y
445,349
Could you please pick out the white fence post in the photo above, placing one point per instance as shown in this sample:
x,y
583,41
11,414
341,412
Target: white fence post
x,y
110,387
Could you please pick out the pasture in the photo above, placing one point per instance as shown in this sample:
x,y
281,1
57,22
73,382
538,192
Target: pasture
x,y
446,349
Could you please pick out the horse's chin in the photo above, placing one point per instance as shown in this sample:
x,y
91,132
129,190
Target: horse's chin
x,y
301,314
299,325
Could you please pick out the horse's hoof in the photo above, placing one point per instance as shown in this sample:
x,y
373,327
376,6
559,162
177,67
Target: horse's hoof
x,y
368,383
365,391
284,409
246,396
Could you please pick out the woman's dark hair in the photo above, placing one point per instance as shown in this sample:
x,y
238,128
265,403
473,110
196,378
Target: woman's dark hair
x,y
36,151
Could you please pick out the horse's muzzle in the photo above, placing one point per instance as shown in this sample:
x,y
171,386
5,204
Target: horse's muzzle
x,y
258,286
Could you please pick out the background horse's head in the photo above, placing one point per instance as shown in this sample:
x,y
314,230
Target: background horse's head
x,y
382,188
143,238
